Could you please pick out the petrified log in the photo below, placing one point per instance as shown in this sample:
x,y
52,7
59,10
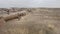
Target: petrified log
x,y
10,17
15,15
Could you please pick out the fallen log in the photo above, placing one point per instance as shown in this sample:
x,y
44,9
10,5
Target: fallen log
x,y
14,16
3,19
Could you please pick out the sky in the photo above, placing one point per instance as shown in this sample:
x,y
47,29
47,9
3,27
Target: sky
x,y
30,3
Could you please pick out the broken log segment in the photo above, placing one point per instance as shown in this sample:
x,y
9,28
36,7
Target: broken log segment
x,y
10,17
14,16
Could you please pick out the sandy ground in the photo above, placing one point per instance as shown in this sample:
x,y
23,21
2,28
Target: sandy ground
x,y
38,21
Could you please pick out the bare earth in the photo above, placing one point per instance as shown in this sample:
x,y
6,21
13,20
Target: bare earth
x,y
36,21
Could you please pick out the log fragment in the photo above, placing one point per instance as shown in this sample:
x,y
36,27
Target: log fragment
x,y
14,16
